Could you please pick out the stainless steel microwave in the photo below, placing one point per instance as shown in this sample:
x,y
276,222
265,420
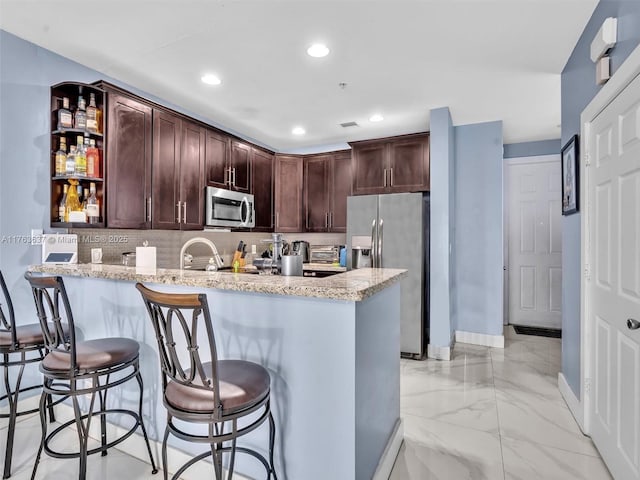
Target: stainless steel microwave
x,y
226,208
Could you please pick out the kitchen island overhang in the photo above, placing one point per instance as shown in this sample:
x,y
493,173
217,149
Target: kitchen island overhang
x,y
331,345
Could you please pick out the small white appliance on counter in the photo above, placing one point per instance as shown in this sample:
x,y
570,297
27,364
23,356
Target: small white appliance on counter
x,y
59,248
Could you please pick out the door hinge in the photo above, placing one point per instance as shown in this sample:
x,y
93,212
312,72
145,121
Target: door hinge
x,y
587,159
587,385
587,271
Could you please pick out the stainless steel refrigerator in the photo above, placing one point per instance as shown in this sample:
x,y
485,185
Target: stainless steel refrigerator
x,y
398,226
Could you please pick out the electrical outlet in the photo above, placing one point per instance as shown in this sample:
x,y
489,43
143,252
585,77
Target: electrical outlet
x,y
253,250
36,236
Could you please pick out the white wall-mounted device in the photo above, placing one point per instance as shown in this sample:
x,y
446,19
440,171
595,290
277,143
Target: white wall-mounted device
x,y
605,39
59,248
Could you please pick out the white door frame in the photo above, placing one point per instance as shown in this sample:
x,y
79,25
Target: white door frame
x,y
627,72
555,157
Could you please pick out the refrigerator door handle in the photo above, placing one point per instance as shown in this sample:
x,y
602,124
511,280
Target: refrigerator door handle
x,y
380,237
374,244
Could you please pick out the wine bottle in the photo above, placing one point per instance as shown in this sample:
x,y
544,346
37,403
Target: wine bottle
x,y
93,209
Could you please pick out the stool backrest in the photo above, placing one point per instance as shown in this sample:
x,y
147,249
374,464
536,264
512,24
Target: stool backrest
x,y
52,305
7,324
177,317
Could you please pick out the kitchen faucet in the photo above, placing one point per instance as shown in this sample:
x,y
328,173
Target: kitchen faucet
x,y
205,241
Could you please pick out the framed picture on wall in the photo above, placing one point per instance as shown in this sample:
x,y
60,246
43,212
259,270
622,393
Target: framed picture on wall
x,y
570,171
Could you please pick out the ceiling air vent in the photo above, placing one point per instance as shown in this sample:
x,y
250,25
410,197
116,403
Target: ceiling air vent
x,y
349,124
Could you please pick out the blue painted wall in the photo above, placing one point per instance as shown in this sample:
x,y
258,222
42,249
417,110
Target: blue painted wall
x,y
441,225
578,87
531,149
478,228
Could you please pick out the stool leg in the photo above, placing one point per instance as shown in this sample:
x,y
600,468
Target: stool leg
x,y
272,439
12,417
43,426
52,415
154,469
217,460
82,432
103,418
234,427
165,465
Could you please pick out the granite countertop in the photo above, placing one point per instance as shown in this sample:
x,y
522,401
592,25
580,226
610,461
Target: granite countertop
x,y
354,285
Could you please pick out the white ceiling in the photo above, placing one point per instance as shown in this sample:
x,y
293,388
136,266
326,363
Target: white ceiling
x,y
486,60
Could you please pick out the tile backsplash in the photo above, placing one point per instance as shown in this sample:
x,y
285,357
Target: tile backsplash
x,y
168,243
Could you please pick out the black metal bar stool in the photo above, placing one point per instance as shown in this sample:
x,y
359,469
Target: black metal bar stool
x,y
74,369
20,345
218,393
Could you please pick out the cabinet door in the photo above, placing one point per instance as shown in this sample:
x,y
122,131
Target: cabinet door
x,y
192,158
166,170
240,164
288,188
217,159
341,181
262,189
316,193
409,164
128,160
370,168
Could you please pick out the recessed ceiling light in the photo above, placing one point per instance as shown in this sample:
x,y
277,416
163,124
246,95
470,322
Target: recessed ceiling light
x,y
210,79
318,50
298,131
376,118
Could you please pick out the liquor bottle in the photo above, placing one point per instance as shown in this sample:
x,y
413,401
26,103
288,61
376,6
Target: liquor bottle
x,y
71,161
81,157
80,120
92,114
93,160
73,203
93,209
61,157
62,206
65,119
79,190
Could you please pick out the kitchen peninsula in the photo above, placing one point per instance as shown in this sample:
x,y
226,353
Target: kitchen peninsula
x,y
330,344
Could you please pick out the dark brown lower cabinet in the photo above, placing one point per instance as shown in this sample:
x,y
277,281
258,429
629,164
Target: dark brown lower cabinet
x,y
262,189
288,194
128,161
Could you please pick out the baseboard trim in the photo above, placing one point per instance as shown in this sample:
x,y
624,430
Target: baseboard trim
x,y
495,341
575,407
136,447
439,353
388,458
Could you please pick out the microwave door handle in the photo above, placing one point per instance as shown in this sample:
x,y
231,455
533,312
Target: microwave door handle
x,y
244,219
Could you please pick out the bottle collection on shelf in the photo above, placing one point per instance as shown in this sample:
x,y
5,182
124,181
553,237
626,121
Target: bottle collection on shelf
x,y
76,207
78,163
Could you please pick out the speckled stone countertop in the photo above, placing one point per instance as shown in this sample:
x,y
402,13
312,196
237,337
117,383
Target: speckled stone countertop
x,y
354,285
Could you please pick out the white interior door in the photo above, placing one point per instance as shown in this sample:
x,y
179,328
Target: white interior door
x,y
534,242
613,288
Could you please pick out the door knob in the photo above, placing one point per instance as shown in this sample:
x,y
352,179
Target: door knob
x,y
633,324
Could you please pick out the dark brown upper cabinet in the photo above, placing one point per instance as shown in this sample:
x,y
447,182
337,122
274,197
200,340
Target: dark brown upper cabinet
x,y
327,183
240,165
288,193
128,161
217,159
178,173
391,165
262,167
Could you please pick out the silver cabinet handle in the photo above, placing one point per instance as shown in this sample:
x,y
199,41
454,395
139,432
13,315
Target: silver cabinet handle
x,y
385,178
277,218
184,217
225,181
149,209
179,217
380,237
326,219
330,219
391,175
633,324
234,176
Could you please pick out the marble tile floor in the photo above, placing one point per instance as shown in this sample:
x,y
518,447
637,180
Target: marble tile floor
x,y
492,414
